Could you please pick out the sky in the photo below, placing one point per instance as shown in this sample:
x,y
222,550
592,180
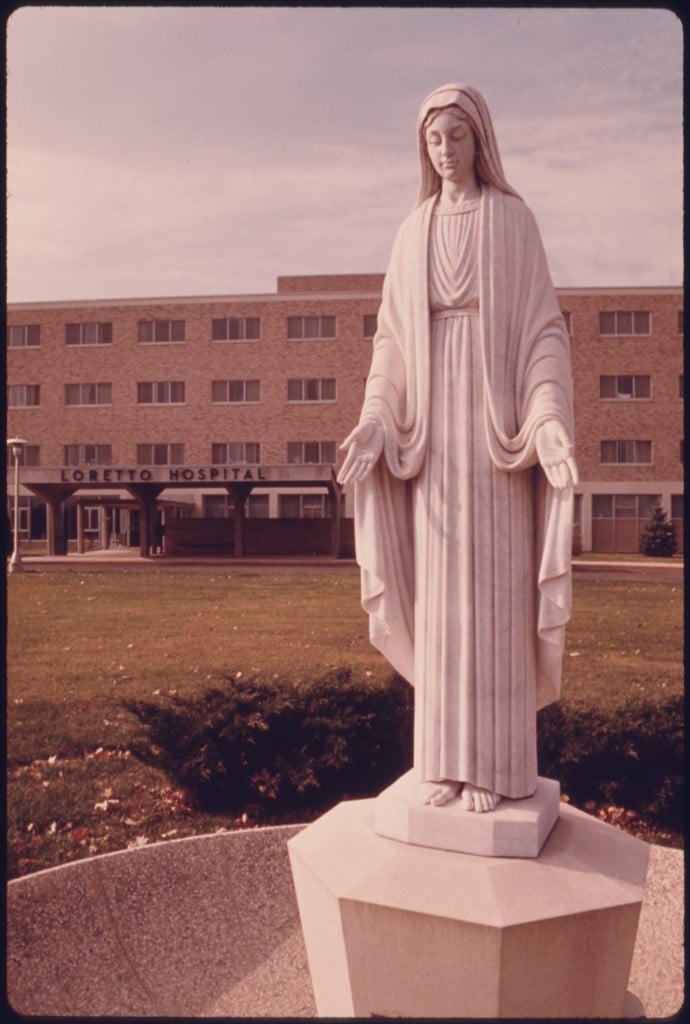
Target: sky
x,y
178,151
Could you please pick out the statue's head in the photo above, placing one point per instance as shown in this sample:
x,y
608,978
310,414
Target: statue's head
x,y
465,103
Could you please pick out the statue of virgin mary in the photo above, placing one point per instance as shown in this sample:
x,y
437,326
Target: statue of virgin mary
x,y
463,467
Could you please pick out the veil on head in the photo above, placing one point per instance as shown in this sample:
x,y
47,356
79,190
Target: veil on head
x,y
472,104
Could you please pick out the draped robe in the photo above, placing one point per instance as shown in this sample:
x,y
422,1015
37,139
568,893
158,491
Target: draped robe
x,y
466,725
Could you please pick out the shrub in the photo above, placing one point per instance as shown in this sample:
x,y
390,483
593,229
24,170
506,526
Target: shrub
x,y
658,537
268,746
630,756
274,747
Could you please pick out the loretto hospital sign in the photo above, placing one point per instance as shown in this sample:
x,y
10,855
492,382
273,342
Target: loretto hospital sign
x,y
167,475
176,476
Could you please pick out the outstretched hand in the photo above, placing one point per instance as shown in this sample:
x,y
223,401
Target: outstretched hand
x,y
555,453
363,445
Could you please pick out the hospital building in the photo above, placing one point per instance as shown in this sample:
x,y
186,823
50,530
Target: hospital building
x,y
211,424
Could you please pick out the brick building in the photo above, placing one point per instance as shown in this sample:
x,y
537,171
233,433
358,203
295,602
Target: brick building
x,y
219,418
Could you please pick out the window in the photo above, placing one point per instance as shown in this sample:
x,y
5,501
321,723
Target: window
x,y
161,392
228,453
317,389
310,327
369,324
623,506
307,452
303,506
160,454
22,396
24,337
88,394
235,390
91,518
625,387
29,455
677,506
628,452
151,331
217,506
568,317
89,334
88,454
257,506
622,322
246,328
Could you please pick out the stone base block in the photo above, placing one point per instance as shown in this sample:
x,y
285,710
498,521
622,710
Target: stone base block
x,y
516,828
399,930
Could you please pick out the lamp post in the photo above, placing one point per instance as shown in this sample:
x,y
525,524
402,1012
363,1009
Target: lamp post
x,y
17,445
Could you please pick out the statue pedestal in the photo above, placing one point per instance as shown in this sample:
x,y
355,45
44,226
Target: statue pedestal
x,y
516,828
399,930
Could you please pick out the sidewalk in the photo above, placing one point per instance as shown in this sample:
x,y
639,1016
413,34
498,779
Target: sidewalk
x,y
130,558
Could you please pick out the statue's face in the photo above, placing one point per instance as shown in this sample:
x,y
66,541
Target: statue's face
x,y
451,146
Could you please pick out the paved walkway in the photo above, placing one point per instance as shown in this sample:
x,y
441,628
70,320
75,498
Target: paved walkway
x,y
130,558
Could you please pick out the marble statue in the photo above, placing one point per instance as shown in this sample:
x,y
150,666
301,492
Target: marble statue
x,y
463,468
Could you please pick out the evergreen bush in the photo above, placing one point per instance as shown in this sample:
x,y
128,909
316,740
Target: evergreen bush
x,y
630,756
263,747
274,747
658,537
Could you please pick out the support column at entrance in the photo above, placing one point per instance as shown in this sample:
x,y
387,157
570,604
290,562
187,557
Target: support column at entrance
x,y
337,501
239,494
56,529
146,495
80,528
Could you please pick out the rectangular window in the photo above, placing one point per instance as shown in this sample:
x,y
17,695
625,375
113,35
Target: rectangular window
x,y
625,388
152,331
568,317
623,506
310,327
228,453
161,392
303,506
160,454
316,389
308,452
235,391
625,322
257,506
243,328
677,506
24,337
88,454
23,396
626,452
91,518
369,324
29,455
89,334
88,394
217,506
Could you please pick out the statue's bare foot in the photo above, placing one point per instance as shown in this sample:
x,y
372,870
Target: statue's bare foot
x,y
474,798
439,793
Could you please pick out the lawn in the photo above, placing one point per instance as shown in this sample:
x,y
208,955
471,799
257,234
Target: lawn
x,y
80,641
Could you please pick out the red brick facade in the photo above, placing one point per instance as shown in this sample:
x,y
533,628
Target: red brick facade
x,y
273,358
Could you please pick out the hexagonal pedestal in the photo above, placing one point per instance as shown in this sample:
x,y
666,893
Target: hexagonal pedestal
x,y
393,929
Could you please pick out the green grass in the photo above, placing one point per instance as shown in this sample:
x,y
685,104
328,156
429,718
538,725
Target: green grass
x,y
80,641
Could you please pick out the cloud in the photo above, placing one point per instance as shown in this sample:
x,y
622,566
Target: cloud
x,y
202,150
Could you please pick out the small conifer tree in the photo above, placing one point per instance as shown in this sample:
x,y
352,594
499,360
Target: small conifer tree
x,y
658,537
